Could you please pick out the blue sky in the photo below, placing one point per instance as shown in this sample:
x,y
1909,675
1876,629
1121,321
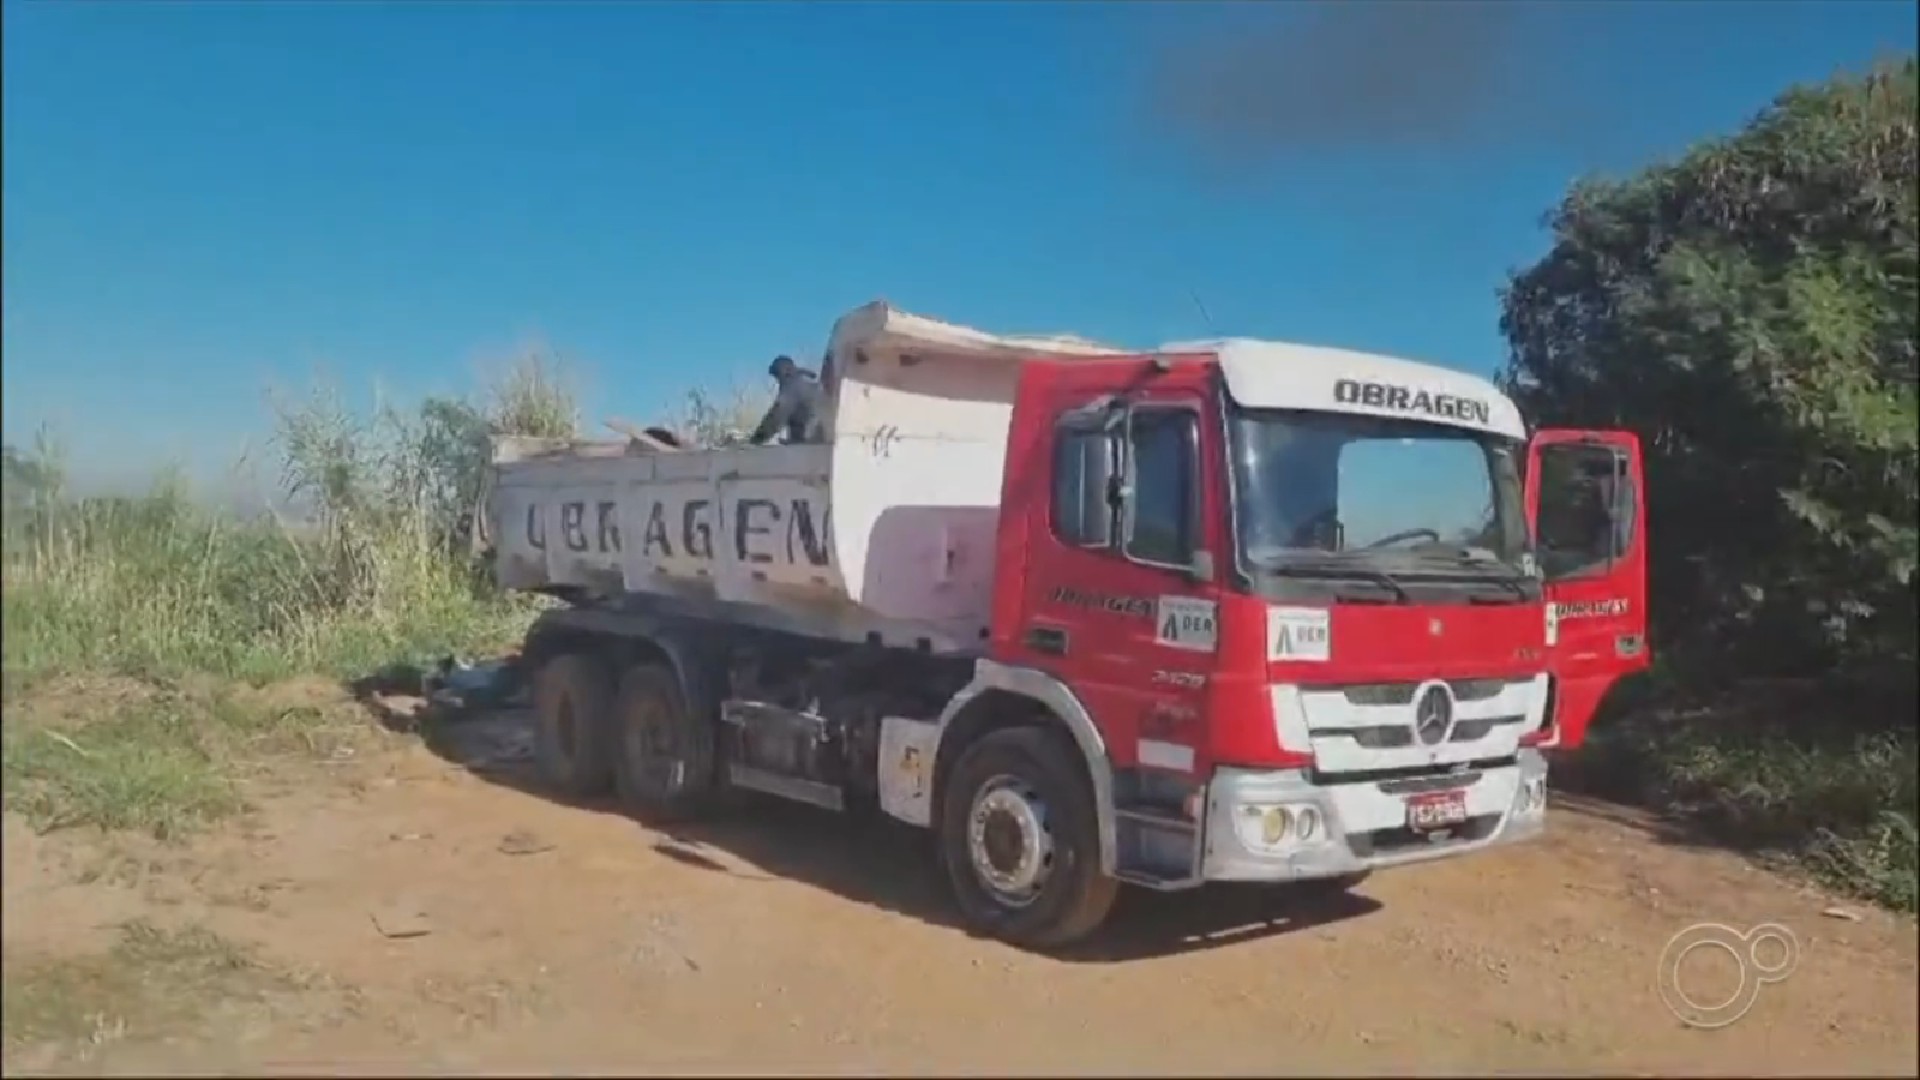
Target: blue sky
x,y
206,200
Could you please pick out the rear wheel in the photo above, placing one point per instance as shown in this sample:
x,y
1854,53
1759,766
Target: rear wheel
x,y
1020,840
573,704
664,758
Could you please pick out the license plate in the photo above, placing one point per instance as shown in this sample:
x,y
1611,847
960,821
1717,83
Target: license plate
x,y
1439,810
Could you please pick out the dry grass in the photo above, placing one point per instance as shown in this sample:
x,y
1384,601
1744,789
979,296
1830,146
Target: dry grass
x,y
151,983
160,760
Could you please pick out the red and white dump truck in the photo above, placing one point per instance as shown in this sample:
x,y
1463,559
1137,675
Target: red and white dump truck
x,y
1222,611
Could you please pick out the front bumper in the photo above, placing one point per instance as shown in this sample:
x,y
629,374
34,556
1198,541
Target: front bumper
x,y
1359,825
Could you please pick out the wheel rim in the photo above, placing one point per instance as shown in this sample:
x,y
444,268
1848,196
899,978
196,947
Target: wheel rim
x,y
1008,840
653,747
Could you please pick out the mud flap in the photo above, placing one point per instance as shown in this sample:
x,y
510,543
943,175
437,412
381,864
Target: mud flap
x,y
906,768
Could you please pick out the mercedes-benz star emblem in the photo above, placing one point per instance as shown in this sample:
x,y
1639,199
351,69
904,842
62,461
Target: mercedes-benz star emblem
x,y
1433,715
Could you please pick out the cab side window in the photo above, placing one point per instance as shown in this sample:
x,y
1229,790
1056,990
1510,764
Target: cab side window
x,y
1082,512
1158,520
1586,510
1161,516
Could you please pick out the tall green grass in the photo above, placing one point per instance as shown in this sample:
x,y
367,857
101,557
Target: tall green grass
x,y
369,567
156,586
372,565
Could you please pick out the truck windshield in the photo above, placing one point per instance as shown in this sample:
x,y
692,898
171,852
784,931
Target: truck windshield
x,y
1405,497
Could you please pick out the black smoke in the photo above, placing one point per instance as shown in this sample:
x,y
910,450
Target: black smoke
x,y
1279,79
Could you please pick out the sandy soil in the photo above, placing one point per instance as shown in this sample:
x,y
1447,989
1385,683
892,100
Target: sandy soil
x,y
429,915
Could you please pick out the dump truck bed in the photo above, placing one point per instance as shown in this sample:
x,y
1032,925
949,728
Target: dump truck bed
x,y
700,524
886,529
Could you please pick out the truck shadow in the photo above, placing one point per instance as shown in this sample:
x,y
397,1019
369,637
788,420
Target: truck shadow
x,y
869,860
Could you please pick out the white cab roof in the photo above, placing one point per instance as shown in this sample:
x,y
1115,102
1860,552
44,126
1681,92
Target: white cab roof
x,y
1279,375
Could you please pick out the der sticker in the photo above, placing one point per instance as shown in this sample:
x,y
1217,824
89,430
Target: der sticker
x,y
1184,622
1299,635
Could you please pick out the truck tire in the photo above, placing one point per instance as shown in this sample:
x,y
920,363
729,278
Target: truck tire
x,y
573,707
1020,840
664,754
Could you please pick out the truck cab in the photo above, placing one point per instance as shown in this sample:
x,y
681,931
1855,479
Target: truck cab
x,y
1306,597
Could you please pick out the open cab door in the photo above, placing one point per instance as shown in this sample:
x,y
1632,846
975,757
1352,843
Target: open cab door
x,y
1586,503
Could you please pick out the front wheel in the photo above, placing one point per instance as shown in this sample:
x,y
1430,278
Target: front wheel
x,y
1020,840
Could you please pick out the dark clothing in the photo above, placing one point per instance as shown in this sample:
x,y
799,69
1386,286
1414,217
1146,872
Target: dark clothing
x,y
796,408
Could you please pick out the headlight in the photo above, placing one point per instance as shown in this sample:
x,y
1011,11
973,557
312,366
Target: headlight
x,y
1306,823
1267,826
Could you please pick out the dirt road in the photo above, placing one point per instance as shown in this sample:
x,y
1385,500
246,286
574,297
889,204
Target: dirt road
x,y
417,915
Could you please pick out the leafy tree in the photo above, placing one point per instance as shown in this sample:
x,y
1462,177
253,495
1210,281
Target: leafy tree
x,y
1750,310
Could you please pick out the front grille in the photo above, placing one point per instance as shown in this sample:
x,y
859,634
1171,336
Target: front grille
x,y
1398,734
1471,730
1381,737
1401,693
1481,689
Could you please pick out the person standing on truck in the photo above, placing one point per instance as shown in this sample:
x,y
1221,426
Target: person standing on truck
x,y
796,406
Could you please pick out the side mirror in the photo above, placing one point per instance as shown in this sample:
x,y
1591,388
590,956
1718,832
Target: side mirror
x,y
1200,571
